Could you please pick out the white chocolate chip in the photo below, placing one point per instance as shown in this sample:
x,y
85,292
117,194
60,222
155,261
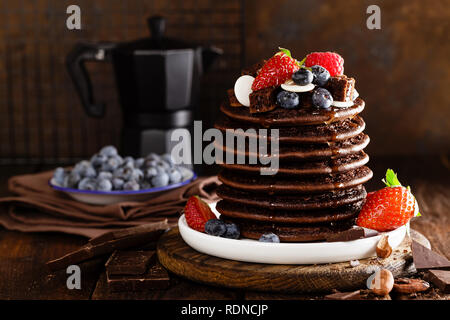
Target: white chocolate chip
x,y
243,88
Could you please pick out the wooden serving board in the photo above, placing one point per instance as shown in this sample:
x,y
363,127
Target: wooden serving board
x,y
179,258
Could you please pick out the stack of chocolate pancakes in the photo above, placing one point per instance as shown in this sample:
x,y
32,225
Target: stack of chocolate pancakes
x,y
318,189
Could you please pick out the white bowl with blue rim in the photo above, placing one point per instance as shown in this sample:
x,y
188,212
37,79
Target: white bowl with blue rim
x,y
112,197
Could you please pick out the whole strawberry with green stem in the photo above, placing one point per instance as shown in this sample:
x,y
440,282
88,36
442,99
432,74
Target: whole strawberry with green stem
x,y
276,70
388,208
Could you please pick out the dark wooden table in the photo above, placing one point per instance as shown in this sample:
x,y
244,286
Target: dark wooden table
x,y
23,274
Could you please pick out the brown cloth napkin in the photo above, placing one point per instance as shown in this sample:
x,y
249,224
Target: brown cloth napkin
x,y
37,207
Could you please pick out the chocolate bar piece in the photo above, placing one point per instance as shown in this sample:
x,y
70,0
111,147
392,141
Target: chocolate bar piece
x,y
352,234
111,241
440,278
341,88
129,262
254,69
262,100
355,295
156,277
425,259
232,99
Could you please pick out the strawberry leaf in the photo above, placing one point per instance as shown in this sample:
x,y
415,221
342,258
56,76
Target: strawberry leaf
x,y
391,179
285,51
300,64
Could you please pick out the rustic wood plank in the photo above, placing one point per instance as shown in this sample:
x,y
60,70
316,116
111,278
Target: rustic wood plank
x,y
23,274
181,259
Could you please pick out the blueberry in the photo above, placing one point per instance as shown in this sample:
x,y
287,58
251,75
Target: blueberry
x,y
174,175
105,175
269,237
150,163
59,175
112,163
167,157
215,227
128,162
161,180
150,172
118,173
131,185
288,100
232,231
137,174
104,185
139,162
153,156
322,98
87,184
85,169
118,183
109,151
302,77
71,180
321,75
163,164
97,160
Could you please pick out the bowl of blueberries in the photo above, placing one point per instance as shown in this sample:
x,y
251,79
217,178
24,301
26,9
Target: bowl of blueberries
x,y
108,178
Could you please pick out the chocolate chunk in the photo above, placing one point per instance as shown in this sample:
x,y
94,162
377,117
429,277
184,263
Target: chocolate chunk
x,y
232,99
254,69
425,259
440,278
155,277
341,88
262,100
355,295
347,235
129,262
111,241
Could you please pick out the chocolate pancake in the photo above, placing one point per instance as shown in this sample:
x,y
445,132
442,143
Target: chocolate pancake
x,y
330,199
300,152
318,133
322,166
293,117
234,210
276,184
292,232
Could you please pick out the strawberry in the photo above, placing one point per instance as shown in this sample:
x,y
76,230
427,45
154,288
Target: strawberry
x,y
331,61
388,208
276,70
197,212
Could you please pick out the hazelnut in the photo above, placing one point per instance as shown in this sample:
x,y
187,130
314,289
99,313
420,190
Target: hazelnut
x,y
383,248
382,282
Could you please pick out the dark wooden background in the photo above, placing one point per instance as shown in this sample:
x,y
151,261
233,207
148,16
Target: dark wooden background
x,y
402,70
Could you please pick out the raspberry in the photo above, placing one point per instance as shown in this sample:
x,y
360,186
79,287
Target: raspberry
x,y
331,61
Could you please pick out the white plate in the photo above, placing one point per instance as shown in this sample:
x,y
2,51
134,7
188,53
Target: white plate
x,y
111,197
284,253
